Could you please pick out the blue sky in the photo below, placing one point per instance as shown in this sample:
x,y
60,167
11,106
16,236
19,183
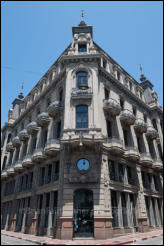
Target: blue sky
x,y
34,34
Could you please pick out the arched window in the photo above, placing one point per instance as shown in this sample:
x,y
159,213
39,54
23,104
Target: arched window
x,y
82,116
81,78
9,138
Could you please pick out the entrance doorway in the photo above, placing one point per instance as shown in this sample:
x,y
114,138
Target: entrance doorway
x,y
83,213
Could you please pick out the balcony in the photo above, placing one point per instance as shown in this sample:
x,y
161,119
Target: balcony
x,y
114,145
145,159
151,132
32,128
9,147
18,166
38,155
10,171
131,153
27,161
43,119
127,117
16,142
80,136
55,108
112,106
52,147
157,164
23,135
4,174
140,126
81,93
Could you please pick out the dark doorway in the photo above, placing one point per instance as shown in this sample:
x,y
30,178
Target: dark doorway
x,y
83,213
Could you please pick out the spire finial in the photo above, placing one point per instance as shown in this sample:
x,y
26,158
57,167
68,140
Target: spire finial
x,y
82,15
21,92
140,68
22,87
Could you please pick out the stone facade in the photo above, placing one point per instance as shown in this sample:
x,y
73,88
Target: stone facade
x,y
82,152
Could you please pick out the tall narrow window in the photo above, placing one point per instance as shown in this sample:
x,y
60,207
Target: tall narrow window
x,y
4,163
58,130
111,170
115,222
44,137
134,110
125,133
60,96
118,75
82,48
82,116
9,138
106,94
139,144
154,124
122,104
160,152
82,80
109,128
145,118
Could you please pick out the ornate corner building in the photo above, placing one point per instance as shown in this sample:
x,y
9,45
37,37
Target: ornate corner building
x,y
82,152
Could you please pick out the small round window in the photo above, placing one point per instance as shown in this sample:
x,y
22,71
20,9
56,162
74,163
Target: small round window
x,y
83,165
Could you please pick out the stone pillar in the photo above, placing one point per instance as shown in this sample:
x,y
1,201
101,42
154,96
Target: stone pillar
x,y
51,206
39,143
50,133
7,216
157,212
120,217
42,220
145,143
119,126
125,174
21,151
14,157
134,139
141,206
18,227
129,211
151,211
156,149
160,132
24,215
30,145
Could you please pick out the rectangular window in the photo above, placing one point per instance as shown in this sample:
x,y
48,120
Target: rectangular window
x,y
109,128
106,94
111,170
56,176
125,133
122,104
49,173
124,209
121,172
58,129
114,209
82,48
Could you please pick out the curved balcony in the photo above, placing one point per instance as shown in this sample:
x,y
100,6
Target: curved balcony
x,y
112,106
32,128
52,147
18,166
16,142
151,132
10,171
54,108
114,145
43,119
9,147
4,174
131,153
23,135
38,155
140,126
158,164
127,117
81,93
145,159
27,161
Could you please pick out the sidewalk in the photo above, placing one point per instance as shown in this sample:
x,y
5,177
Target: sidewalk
x,y
113,241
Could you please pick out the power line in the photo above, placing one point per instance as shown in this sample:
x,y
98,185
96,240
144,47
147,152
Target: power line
x,y
20,70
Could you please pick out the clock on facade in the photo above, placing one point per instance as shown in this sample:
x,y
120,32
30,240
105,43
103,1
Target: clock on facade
x,y
83,165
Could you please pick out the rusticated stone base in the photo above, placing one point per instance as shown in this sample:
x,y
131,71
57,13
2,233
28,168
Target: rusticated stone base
x,y
102,228
33,228
64,228
142,225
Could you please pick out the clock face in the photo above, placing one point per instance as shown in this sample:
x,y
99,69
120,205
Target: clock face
x,y
83,164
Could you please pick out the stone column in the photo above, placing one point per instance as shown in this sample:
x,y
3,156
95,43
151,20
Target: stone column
x,y
142,215
119,126
51,206
18,228
125,174
7,216
145,143
151,211
14,157
39,143
50,134
24,215
120,216
156,149
42,220
134,139
30,145
21,151
157,212
160,132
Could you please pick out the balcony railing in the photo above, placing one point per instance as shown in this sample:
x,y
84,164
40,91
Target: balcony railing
x,y
151,132
43,119
78,93
16,141
132,153
114,145
32,128
55,108
127,117
52,147
9,147
146,159
140,125
112,106
38,155
23,135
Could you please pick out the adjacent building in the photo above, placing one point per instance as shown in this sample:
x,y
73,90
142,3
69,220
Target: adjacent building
x,y
82,152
